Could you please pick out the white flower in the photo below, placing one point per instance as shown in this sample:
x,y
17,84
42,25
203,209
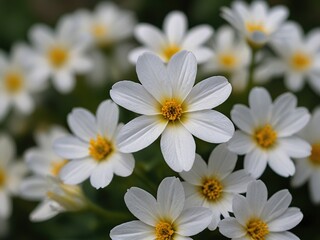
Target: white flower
x,y
106,25
231,56
267,131
16,83
11,174
257,217
257,23
163,218
171,106
174,39
59,55
94,150
215,185
298,60
309,168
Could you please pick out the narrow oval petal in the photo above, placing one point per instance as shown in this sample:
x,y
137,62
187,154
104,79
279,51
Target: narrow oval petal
x,y
6,205
102,175
291,218
63,81
282,106
197,36
243,118
260,103
295,147
255,162
45,211
257,196
280,162
241,209
33,188
123,164
175,26
237,182
282,236
7,148
241,143
149,36
70,147
107,118
230,228
197,172
134,230
314,187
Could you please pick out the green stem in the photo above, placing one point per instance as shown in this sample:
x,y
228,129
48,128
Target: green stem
x,y
252,68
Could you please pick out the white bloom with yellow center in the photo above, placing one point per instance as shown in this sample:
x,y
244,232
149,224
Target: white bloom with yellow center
x,y
94,150
107,25
172,107
260,218
266,132
298,59
164,218
215,185
309,168
257,23
16,83
231,57
58,55
174,39
11,174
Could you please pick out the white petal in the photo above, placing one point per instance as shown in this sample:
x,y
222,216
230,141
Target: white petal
x,y
140,133
202,54
4,106
257,196
182,70
280,162
313,40
314,187
197,172
197,36
64,82
178,147
175,26
101,175
193,221
208,94
255,162
134,97
282,106
276,16
44,211
302,174
83,124
134,230
170,197
24,103
230,227
76,171
260,103
142,205
123,164
136,53
243,118
41,36
294,81
149,36
241,143
209,125
70,148
282,236
216,218
295,147
5,203
237,182
33,188
107,118
7,148
291,218
241,209
38,161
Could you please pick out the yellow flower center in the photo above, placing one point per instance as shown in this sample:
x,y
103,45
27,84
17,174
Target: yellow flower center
x,y
265,137
169,51
98,30
300,61
257,229
228,60
171,110
2,177
57,166
255,27
13,82
164,231
211,189
100,148
58,56
315,154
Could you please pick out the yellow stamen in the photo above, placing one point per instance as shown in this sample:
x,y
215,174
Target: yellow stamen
x,y
257,229
300,61
315,154
58,56
100,148
255,27
169,51
171,110
57,166
164,231
13,82
2,177
228,60
211,189
99,31
265,137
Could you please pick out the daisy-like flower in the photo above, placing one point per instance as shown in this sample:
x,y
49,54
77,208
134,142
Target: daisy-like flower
x,y
16,83
266,132
94,150
215,185
231,56
257,23
163,218
171,106
174,39
59,55
11,174
44,185
298,61
260,218
309,168
107,25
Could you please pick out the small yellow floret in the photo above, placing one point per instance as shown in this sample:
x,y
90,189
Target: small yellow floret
x,y
315,154
171,110
169,51
300,61
164,231
13,82
2,177
100,148
57,166
58,56
265,137
257,229
212,189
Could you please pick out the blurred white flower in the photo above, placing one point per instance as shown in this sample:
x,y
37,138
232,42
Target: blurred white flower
x,y
231,57
309,168
174,39
163,218
107,25
215,185
94,150
257,23
298,59
173,107
267,131
259,218
16,83
58,55
11,174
